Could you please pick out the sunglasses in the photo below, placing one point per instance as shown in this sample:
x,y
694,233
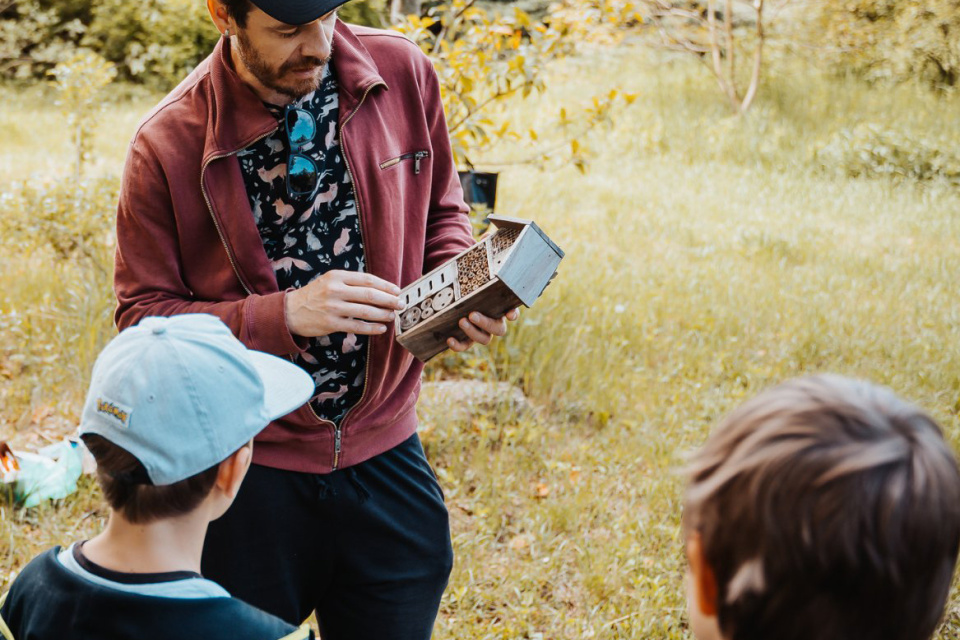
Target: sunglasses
x,y
303,176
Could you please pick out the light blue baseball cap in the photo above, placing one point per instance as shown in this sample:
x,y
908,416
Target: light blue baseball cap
x,y
182,394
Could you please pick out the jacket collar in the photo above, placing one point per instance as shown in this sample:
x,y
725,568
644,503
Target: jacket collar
x,y
237,116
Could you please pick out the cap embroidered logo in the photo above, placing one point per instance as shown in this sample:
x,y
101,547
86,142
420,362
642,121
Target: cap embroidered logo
x,y
111,409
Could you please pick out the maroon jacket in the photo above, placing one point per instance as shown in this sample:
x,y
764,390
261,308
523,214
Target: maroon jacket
x,y
187,241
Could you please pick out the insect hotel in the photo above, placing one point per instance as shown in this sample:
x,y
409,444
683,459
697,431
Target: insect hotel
x,y
504,270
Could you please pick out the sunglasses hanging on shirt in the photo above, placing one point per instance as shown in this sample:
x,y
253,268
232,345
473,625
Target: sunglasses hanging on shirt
x,y
303,176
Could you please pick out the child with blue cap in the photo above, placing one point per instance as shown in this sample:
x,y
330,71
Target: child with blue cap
x,y
172,409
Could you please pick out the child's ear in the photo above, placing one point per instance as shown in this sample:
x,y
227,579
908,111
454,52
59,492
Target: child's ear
x,y
702,576
232,470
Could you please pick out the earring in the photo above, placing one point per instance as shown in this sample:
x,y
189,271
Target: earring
x,y
226,33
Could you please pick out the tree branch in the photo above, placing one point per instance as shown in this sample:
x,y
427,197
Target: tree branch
x,y
497,96
445,25
757,61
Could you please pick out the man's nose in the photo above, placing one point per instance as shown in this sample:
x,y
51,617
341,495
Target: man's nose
x,y
318,40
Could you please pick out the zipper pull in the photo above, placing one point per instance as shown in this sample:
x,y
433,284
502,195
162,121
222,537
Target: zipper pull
x,y
336,447
417,157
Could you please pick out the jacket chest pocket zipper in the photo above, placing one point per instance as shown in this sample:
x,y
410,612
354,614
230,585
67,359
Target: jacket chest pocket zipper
x,y
416,156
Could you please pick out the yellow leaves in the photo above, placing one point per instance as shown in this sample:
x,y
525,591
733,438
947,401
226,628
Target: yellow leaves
x,y
414,22
486,60
522,18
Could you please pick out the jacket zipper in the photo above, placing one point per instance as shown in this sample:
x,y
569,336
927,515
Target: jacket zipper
x,y
216,223
416,156
338,429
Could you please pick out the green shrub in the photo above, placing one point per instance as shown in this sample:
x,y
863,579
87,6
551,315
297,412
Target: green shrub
x,y
872,151
80,81
372,13
892,40
56,294
74,221
156,42
34,38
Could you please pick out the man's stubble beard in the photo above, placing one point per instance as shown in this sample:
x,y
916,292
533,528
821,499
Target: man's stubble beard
x,y
251,58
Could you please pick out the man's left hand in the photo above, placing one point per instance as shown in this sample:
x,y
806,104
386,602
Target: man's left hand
x,y
481,328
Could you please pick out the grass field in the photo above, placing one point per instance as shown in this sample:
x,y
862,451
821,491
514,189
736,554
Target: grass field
x,y
707,258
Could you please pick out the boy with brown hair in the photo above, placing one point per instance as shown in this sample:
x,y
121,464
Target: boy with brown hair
x,y
173,406
823,508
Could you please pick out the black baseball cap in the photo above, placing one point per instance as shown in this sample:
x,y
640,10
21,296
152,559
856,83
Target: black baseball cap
x,y
297,11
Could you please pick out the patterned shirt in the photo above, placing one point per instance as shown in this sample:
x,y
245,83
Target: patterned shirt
x,y
305,238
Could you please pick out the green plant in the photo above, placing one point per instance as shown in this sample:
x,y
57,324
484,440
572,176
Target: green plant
x,y
72,221
372,13
56,294
874,151
80,81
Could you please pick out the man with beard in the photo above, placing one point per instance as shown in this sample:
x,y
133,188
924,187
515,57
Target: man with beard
x,y
289,190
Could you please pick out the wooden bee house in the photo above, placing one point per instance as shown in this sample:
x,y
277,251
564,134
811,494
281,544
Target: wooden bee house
x,y
504,270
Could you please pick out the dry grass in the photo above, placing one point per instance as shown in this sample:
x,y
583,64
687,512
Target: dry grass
x,y
707,258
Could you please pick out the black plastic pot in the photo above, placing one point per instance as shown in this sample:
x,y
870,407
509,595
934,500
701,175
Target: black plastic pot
x,y
479,188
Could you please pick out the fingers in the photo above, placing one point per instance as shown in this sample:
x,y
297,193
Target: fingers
x,y
486,324
481,329
365,292
459,345
474,332
357,279
371,297
366,312
349,325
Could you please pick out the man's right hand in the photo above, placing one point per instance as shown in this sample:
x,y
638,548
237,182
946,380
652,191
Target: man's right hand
x,y
346,301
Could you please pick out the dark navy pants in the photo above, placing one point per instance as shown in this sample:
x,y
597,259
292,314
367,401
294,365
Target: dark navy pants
x,y
367,547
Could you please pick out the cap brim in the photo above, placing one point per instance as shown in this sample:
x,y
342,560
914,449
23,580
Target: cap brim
x,y
286,386
297,12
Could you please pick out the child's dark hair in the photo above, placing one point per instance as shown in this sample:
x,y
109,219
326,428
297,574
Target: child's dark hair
x,y
827,508
127,487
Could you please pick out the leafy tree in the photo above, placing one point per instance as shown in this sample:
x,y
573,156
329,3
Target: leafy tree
x,y
485,60
893,39
156,42
79,81
719,32
33,38
372,13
